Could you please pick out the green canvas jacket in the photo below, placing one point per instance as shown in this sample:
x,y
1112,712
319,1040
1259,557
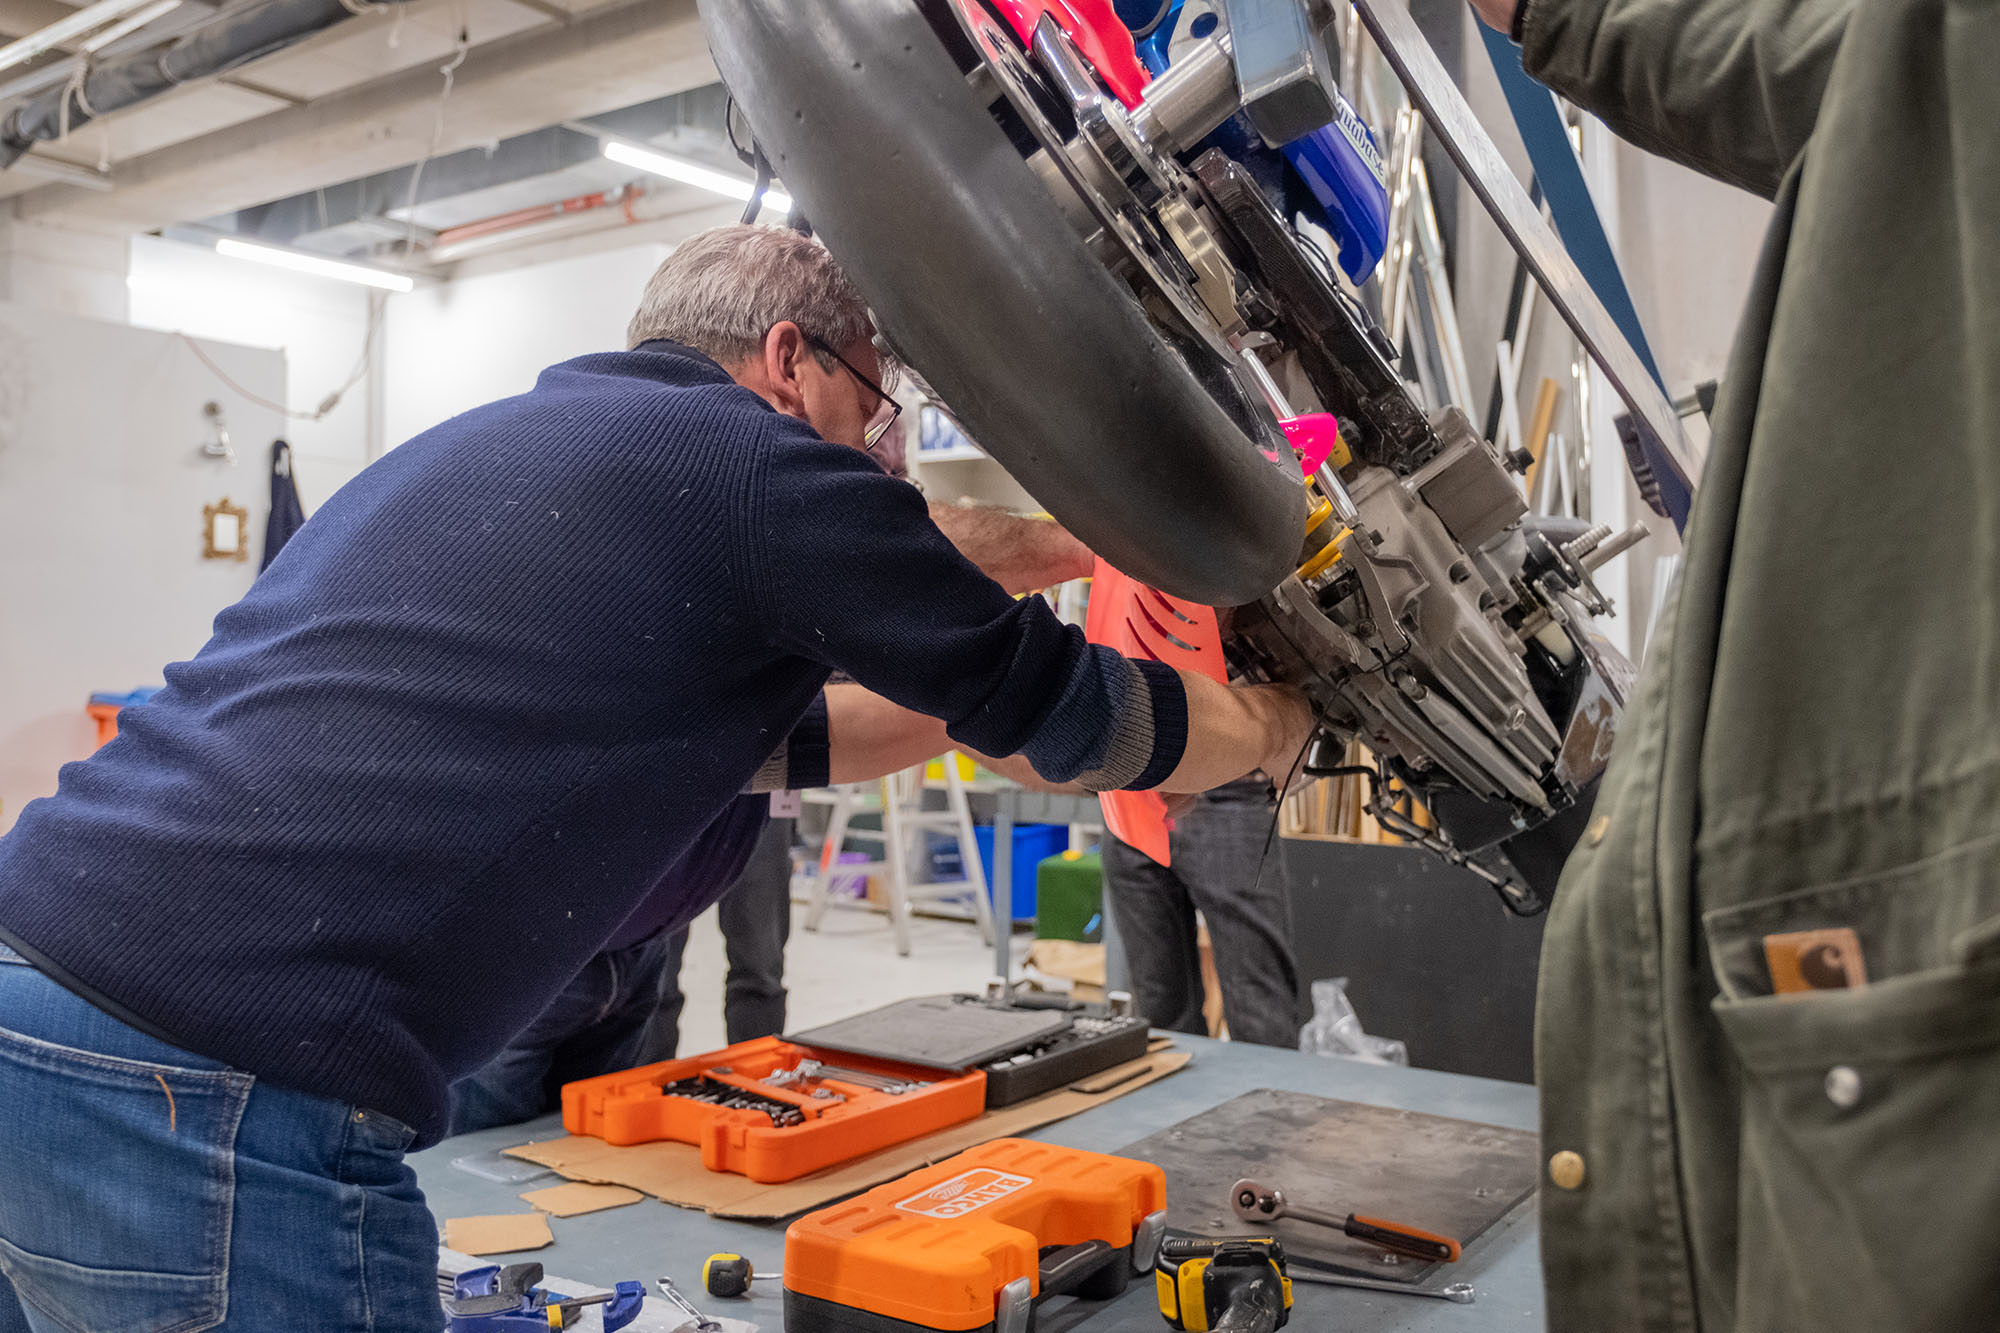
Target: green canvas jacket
x,y
1816,744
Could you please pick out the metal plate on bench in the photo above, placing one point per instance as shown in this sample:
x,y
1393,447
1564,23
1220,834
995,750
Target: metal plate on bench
x,y
937,1032
1456,1177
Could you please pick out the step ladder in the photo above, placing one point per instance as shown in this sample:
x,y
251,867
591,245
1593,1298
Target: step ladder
x,y
900,841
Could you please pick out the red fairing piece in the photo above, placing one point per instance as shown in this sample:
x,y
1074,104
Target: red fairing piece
x,y
1094,26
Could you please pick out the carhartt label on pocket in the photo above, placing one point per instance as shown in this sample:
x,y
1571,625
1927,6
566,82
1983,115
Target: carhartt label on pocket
x,y
1810,960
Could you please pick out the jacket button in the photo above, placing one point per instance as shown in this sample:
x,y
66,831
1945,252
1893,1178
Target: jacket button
x,y
1843,1086
1566,1170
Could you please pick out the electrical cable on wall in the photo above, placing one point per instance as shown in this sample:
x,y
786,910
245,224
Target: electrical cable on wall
x,y
378,303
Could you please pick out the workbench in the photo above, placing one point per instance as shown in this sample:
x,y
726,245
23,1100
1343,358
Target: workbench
x,y
647,1239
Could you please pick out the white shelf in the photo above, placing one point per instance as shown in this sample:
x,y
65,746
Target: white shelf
x,y
949,456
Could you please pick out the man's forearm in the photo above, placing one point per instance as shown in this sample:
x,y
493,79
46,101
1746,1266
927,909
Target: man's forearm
x,y
1236,730
1019,554
870,737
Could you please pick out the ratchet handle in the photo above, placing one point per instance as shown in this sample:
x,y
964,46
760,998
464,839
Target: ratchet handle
x,y
1402,1239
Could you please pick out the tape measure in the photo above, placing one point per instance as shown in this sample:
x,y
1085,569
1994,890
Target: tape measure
x,y
1223,1286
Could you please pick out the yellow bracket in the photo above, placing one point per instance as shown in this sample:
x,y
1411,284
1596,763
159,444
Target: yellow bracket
x,y
1320,514
1326,556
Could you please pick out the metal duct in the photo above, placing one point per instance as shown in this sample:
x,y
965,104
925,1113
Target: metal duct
x,y
229,40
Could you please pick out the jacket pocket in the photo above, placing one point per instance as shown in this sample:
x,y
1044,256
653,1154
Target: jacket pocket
x,y
1868,1189
117,1187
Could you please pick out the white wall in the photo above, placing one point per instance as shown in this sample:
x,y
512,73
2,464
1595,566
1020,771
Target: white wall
x,y
458,344
78,272
1689,246
102,580
322,327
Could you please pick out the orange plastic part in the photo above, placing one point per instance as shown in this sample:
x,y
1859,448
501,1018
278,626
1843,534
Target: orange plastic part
x,y
106,717
935,1248
1146,623
628,1108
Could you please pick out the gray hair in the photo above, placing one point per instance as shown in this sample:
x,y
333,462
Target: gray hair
x,y
720,292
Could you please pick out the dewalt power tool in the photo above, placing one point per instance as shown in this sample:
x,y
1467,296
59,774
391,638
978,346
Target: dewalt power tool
x,y
1223,1286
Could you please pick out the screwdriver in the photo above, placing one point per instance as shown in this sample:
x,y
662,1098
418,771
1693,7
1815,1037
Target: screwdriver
x,y
728,1275
1254,1202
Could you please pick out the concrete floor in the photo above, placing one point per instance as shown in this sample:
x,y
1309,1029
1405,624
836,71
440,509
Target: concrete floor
x,y
847,966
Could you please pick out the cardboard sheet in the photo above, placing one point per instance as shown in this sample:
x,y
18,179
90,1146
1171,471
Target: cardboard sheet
x,y
673,1172
500,1233
576,1199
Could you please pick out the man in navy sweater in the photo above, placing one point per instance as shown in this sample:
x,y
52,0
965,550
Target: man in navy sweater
x,y
623,1008
433,759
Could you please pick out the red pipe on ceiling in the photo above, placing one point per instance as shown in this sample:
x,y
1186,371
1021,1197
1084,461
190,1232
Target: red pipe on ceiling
x,y
521,217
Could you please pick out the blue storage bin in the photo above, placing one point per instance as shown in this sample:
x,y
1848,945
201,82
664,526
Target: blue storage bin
x,y
1033,843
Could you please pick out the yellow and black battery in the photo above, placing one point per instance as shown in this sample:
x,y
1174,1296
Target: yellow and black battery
x,y
972,1244
1223,1286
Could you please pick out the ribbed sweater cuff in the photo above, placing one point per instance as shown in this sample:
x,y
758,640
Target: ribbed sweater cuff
x,y
805,759
1170,722
1149,732
809,751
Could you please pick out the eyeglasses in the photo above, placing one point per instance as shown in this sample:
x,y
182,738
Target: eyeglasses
x,y
879,425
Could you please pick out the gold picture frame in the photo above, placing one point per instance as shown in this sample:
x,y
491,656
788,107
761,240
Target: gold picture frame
x,y
225,531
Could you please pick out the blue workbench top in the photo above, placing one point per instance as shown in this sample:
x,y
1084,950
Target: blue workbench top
x,y
651,1238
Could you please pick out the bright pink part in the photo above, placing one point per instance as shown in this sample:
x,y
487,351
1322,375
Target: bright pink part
x,y
1314,436
1145,623
1093,25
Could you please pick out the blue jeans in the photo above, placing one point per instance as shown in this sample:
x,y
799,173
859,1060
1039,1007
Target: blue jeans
x,y
145,1189
592,1028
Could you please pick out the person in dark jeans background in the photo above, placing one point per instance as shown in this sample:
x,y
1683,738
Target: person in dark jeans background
x,y
1217,848
598,1023
756,919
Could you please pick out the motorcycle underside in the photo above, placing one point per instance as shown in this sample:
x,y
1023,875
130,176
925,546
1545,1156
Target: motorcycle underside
x,y
1112,301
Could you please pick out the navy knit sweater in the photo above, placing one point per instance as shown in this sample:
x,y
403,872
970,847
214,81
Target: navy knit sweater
x,y
489,692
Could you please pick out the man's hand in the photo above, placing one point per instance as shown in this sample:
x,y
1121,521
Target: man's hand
x,y
1496,14
1291,726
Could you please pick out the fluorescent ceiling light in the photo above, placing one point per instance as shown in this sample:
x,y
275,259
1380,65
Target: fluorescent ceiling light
x,y
157,10
691,173
300,262
88,19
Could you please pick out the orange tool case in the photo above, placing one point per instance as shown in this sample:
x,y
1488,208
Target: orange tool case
x,y
971,1244
772,1110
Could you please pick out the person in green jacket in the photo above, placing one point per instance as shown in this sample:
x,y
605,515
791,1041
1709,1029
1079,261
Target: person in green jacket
x,y
1769,1027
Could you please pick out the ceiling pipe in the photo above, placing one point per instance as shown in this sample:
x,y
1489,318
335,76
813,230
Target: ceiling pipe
x,y
230,39
644,206
522,217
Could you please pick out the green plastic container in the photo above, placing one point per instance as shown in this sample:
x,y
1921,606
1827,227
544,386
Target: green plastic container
x,y
1069,898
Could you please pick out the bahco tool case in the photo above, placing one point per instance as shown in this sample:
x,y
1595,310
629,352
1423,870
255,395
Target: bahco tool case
x,y
772,1110
972,1244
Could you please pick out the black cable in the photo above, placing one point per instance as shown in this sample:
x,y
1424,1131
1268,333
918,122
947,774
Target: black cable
x,y
1340,771
730,110
1278,810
